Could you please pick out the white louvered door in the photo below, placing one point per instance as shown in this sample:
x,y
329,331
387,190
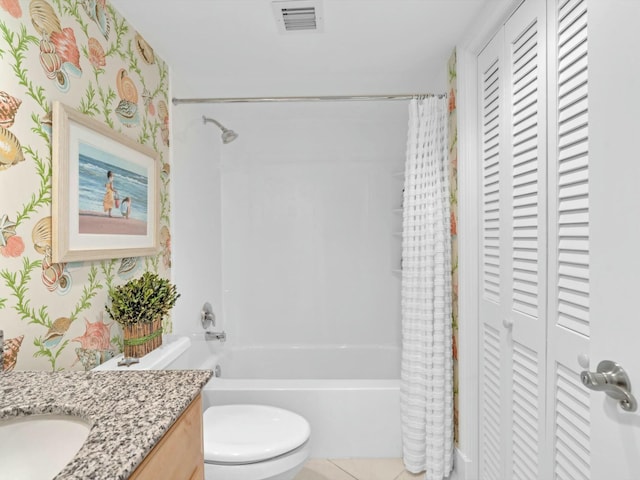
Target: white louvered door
x,y
492,336
526,237
544,249
569,422
566,275
511,71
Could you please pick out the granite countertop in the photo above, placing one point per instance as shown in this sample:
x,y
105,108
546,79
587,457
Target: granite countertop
x,y
128,411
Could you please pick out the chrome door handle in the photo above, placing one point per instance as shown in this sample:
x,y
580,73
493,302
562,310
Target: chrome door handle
x,y
611,378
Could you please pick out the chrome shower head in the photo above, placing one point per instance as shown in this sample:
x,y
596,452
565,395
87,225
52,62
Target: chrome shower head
x,y
228,136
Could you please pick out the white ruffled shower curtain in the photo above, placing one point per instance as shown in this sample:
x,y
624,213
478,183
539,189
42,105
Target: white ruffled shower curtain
x,y
426,392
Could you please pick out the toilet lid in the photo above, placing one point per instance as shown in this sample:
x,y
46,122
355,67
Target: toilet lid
x,y
251,433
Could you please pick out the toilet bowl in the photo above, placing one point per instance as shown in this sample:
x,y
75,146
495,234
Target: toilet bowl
x,y
254,442
241,442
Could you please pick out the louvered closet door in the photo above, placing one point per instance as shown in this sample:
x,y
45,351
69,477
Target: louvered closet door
x,y
568,427
492,337
512,307
525,37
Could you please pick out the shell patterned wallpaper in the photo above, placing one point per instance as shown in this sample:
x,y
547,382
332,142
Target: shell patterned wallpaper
x,y
84,54
453,191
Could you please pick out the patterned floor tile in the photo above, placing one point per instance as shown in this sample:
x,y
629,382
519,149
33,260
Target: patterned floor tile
x,y
316,469
410,476
371,468
356,469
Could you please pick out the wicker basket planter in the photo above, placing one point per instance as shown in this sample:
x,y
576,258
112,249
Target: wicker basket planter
x,y
140,306
142,338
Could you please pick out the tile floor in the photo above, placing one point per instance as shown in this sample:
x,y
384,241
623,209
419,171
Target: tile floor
x,y
356,469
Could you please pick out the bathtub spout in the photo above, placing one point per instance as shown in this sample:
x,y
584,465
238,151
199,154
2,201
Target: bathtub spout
x,y
222,336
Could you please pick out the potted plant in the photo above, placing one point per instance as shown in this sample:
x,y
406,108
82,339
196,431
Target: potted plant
x,y
139,306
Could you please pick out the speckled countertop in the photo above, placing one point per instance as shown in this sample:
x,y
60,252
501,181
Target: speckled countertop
x,y
128,411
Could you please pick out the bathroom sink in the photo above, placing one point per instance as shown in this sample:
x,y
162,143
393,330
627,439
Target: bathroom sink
x,y
37,447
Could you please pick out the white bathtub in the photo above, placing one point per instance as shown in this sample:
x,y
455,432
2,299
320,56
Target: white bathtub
x,y
349,394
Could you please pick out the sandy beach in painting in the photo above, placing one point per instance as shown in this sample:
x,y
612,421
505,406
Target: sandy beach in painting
x,y
102,224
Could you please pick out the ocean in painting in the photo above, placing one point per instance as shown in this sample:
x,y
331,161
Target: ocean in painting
x,y
93,177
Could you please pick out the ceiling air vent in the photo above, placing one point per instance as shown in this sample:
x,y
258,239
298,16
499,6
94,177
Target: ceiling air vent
x,y
298,15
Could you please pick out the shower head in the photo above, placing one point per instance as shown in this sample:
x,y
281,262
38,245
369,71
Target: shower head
x,y
228,136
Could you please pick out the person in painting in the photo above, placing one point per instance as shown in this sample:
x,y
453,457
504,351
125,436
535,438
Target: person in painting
x,y
109,200
125,207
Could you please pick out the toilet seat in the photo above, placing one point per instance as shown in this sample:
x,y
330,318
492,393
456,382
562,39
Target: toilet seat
x,y
244,434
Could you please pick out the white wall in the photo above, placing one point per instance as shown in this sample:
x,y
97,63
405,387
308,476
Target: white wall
x,y
288,231
307,224
196,217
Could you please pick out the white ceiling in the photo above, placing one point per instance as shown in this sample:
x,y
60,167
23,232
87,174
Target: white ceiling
x,y
222,48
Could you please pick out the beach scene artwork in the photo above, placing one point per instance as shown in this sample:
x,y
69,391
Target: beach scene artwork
x,y
112,195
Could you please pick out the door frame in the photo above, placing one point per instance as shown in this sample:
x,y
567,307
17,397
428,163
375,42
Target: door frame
x,y
467,50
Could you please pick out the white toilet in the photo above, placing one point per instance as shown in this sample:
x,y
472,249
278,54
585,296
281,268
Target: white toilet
x,y
241,442
254,442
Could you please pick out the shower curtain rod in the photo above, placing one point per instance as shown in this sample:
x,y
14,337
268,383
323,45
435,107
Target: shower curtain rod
x,y
320,98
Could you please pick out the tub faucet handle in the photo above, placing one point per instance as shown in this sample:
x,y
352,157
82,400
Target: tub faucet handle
x,y
222,336
207,317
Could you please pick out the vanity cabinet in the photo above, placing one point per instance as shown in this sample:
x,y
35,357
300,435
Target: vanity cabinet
x,y
179,453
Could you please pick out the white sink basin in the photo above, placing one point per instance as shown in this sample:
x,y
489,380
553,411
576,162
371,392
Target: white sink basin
x,y
38,447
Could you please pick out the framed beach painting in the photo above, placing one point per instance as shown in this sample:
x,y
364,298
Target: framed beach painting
x,y
106,191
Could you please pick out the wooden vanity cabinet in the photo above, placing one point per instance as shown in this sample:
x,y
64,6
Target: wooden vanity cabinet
x,y
179,453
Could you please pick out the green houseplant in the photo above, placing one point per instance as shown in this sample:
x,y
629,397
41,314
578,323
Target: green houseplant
x,y
139,306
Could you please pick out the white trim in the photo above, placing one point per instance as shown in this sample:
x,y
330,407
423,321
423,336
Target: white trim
x,y
461,466
466,466
468,244
487,24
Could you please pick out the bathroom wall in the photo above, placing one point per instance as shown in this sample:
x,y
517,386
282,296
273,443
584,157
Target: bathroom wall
x,y
308,243
196,220
87,56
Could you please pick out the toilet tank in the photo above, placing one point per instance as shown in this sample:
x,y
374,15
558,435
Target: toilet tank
x,y
172,347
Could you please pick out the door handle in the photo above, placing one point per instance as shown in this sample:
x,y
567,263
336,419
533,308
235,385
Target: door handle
x,y
611,378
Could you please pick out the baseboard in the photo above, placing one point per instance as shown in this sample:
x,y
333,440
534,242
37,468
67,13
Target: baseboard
x,y
461,466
